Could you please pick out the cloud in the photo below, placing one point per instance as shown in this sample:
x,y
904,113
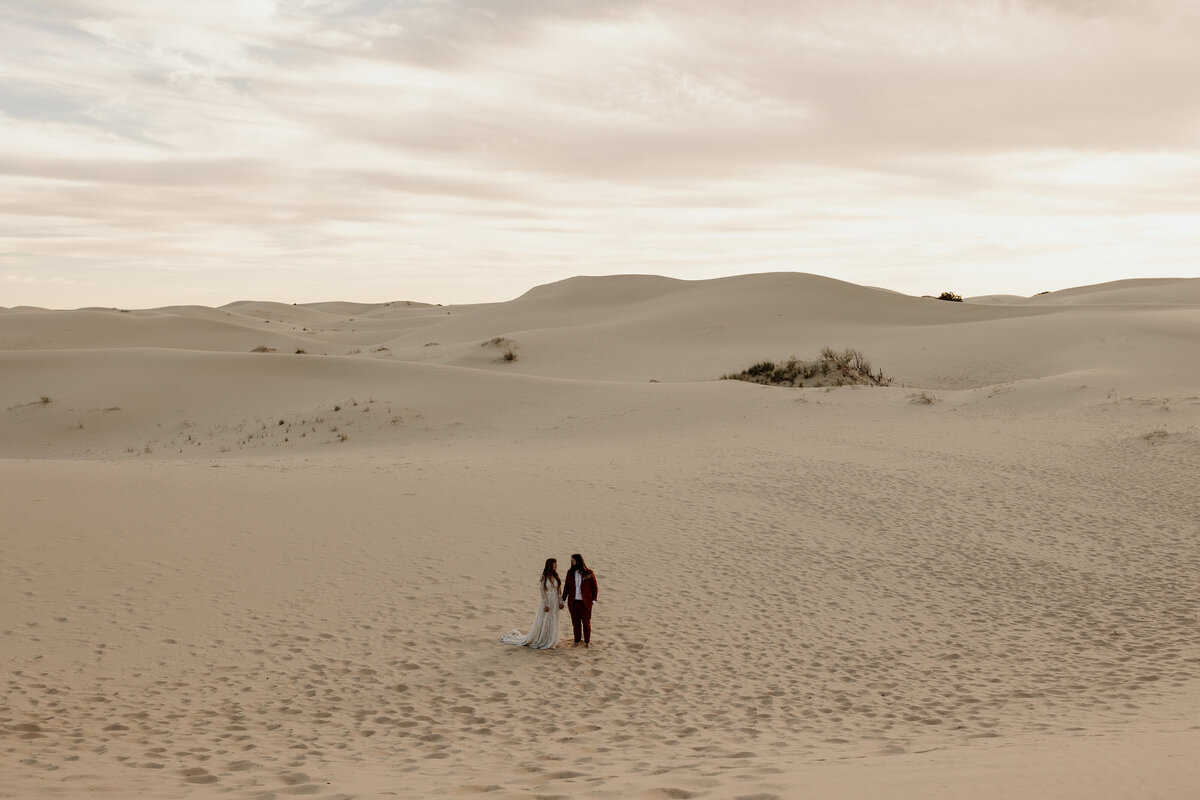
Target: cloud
x,y
666,93
479,136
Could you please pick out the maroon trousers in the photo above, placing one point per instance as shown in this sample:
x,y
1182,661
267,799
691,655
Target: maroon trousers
x,y
581,619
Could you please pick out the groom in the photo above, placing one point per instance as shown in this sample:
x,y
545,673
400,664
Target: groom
x,y
579,590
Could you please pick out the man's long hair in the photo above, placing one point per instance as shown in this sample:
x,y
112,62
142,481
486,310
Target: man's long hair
x,y
550,572
579,565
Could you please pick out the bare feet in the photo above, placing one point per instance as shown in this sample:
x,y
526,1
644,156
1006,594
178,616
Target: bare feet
x,y
587,644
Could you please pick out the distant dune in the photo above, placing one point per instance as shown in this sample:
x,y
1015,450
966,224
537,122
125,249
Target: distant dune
x,y
267,550
638,327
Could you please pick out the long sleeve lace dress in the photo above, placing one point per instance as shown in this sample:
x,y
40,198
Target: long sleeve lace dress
x,y
543,633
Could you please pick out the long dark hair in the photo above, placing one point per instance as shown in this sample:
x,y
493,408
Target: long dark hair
x,y
579,565
551,571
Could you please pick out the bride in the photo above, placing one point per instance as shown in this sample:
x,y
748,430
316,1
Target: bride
x,y
543,634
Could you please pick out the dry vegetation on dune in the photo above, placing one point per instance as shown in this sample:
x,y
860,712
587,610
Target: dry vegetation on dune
x,y
833,368
507,348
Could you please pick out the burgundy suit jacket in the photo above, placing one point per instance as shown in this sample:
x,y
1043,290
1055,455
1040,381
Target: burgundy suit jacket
x,y
588,590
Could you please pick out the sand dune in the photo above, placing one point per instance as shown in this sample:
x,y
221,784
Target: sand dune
x,y
270,574
1142,291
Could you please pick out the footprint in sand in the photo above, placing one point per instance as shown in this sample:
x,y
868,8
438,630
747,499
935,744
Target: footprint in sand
x,y
197,775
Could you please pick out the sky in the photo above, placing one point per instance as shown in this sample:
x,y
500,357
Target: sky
x,y
458,151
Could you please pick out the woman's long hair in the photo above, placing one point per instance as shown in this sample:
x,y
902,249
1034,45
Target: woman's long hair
x,y
550,572
579,565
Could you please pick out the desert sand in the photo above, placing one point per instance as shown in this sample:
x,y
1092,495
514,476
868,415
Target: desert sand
x,y
230,568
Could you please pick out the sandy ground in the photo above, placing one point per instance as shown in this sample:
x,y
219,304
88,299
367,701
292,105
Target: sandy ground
x,y
271,574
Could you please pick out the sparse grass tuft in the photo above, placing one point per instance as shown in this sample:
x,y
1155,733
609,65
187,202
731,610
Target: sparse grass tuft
x,y
924,398
510,347
43,401
262,348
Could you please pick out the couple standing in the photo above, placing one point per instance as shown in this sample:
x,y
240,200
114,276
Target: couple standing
x,y
577,592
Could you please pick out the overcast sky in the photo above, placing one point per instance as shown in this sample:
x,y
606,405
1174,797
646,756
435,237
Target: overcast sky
x,y
453,151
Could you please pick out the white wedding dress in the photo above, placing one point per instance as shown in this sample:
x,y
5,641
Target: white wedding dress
x,y
543,633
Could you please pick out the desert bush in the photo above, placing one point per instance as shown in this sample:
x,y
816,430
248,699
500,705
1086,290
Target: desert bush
x,y
762,369
951,296
510,347
262,348
832,368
